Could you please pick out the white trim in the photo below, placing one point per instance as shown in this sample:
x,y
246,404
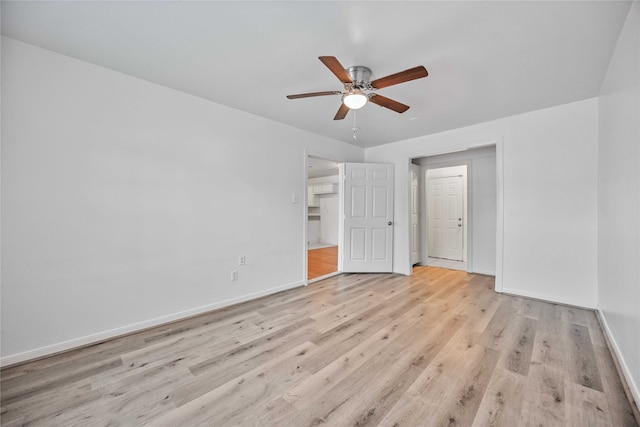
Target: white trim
x,y
544,297
305,221
615,349
135,327
499,215
341,176
483,272
417,170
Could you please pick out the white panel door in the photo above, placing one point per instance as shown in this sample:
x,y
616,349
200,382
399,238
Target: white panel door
x,y
368,218
414,173
445,207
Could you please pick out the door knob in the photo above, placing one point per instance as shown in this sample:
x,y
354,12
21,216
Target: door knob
x,y
389,223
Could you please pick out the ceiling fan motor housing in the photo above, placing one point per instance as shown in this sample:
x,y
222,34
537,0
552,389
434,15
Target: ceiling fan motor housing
x,y
360,75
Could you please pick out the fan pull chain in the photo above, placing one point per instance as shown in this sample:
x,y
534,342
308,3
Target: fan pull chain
x,y
355,128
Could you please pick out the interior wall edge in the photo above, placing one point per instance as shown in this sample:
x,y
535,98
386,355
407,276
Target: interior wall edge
x,y
51,350
621,366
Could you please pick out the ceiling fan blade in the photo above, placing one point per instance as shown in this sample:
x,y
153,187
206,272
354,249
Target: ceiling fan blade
x,y
401,77
336,68
389,103
342,112
309,95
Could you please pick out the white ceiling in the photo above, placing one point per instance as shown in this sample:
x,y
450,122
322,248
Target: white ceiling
x,y
317,167
486,59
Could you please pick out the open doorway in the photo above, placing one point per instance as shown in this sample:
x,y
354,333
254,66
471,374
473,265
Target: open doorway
x,y
475,223
323,196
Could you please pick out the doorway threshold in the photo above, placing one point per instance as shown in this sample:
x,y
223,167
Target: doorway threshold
x,y
326,276
447,263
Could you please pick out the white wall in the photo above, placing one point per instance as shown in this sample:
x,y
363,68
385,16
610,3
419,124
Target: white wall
x,y
549,195
126,204
619,199
327,225
313,230
482,202
329,218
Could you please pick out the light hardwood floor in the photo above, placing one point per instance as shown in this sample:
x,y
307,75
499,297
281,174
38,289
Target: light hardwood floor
x,y
439,348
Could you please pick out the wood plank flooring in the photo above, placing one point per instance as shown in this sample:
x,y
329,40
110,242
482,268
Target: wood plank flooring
x,y
440,348
321,262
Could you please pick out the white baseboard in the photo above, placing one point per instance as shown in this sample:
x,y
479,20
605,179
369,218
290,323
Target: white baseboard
x,y
136,327
613,346
547,298
483,272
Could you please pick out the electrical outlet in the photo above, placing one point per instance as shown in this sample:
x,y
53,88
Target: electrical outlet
x,y
242,260
234,275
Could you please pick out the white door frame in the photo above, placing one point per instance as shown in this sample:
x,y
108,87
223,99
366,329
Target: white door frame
x,y
434,151
305,199
415,205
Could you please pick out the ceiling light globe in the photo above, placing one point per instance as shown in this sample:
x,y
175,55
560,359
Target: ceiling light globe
x,y
355,99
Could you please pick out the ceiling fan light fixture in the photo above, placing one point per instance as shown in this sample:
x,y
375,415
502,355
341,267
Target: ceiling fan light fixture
x,y
355,99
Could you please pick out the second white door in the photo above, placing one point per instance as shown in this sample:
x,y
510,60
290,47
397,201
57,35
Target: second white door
x,y
445,209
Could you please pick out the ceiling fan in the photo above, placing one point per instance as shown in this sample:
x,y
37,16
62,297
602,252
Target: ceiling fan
x,y
358,89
